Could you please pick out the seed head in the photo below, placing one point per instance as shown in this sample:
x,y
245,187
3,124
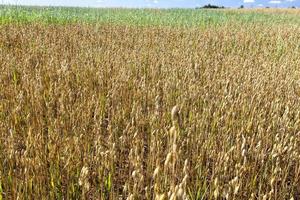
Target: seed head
x,y
168,159
156,171
83,179
175,114
161,197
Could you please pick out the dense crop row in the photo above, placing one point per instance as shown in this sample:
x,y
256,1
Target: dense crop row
x,y
116,112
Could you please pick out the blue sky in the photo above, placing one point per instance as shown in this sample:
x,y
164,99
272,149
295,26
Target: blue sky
x,y
156,3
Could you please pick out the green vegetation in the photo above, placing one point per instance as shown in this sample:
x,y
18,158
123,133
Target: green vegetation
x,y
168,17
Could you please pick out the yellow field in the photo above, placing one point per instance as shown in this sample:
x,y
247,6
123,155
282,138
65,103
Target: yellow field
x,y
124,112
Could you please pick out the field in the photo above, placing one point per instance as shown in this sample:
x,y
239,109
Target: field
x,y
149,104
186,18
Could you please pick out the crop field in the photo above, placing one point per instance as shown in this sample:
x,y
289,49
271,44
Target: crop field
x,y
186,18
149,104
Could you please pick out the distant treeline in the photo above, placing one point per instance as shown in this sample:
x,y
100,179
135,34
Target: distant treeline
x,y
222,7
211,6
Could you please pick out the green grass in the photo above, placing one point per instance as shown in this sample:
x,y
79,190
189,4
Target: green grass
x,y
167,17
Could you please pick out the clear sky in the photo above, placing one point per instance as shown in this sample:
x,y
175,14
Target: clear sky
x,y
156,3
